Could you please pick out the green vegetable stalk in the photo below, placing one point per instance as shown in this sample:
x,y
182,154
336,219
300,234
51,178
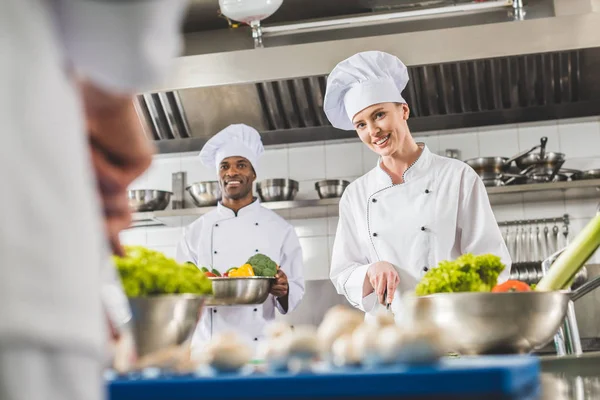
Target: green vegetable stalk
x,y
468,273
262,265
145,272
566,266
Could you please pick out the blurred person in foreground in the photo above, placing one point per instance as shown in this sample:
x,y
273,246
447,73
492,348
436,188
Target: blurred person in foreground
x,y
69,67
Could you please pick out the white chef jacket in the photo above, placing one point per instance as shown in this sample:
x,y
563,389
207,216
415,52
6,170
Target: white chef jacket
x,y
440,212
51,236
221,239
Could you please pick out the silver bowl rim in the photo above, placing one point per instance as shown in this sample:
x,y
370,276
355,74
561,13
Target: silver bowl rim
x,y
235,278
182,296
149,190
202,183
329,182
278,182
490,294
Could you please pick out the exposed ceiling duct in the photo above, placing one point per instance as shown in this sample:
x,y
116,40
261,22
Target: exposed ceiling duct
x,y
466,69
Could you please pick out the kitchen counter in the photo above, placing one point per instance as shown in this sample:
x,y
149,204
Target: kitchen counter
x,y
571,377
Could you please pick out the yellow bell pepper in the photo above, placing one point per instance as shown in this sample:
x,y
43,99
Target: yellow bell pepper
x,y
244,270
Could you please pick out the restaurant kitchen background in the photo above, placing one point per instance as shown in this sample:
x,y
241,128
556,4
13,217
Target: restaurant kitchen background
x,y
482,91
348,159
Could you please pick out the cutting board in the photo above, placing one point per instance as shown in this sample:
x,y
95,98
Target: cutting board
x,y
489,377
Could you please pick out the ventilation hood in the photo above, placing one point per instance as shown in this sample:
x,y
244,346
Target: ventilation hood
x,y
470,64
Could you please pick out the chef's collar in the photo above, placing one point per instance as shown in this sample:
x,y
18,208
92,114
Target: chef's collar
x,y
247,210
417,169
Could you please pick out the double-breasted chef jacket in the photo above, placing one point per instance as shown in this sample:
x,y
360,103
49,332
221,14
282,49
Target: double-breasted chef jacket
x,y
439,212
222,239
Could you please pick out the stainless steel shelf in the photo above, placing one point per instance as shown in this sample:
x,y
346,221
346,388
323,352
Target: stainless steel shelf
x,y
299,209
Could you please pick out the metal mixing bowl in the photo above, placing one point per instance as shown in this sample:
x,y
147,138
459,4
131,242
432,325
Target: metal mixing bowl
x,y
277,189
494,323
148,200
205,194
160,322
331,188
228,291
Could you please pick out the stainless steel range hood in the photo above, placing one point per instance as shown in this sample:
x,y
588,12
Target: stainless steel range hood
x,y
467,68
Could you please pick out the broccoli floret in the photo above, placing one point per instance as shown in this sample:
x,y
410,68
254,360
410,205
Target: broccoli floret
x,y
468,273
262,265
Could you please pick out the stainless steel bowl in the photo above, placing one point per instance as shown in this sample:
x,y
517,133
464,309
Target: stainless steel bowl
x,y
277,189
331,188
160,322
228,291
205,194
148,200
494,323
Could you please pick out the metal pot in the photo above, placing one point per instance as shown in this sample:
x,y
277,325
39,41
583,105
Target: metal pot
x,y
205,194
277,189
546,177
492,168
549,161
589,174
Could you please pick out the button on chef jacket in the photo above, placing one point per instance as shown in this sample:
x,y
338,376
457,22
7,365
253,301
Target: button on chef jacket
x,y
440,212
221,239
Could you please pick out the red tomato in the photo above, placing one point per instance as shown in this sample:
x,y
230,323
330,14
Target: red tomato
x,y
512,286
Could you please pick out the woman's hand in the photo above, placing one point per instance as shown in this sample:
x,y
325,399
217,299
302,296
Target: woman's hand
x,y
382,277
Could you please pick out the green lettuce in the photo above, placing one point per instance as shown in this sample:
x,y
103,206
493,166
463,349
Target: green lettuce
x,y
145,272
468,273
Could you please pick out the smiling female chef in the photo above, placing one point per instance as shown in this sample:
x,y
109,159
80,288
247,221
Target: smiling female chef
x,y
239,228
415,208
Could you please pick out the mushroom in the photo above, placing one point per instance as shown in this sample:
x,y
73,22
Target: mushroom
x,y
303,347
343,352
389,344
422,340
339,320
227,353
364,343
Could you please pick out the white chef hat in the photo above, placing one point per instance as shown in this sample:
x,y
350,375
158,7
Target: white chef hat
x,y
236,140
366,78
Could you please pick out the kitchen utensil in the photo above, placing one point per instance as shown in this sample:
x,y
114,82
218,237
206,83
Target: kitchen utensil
x,y
277,189
205,194
228,291
550,164
589,174
499,165
161,322
555,234
546,178
148,200
331,188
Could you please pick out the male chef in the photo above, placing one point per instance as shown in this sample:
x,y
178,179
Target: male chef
x,y
239,228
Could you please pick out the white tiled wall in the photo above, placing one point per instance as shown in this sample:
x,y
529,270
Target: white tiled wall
x,y
579,139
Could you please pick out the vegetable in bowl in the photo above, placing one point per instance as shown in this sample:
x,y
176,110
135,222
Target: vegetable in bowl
x,y
468,273
146,272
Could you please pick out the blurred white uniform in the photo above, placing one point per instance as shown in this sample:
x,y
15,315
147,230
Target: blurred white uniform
x,y
51,237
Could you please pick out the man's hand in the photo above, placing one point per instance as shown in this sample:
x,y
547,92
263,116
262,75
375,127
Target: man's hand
x,y
280,287
120,153
382,277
